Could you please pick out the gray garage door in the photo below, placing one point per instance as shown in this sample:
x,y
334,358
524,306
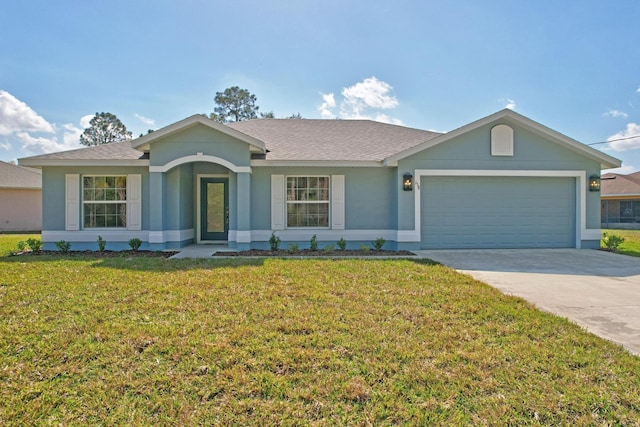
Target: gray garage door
x,y
497,212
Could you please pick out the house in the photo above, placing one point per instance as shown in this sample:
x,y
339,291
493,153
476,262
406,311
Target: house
x,y
503,181
20,198
620,205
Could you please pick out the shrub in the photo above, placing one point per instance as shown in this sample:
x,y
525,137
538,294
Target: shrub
x,y
135,244
364,248
342,244
612,241
274,241
34,244
313,243
378,243
330,247
102,244
63,246
22,245
293,248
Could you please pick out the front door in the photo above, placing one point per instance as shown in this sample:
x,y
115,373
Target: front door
x,y
214,209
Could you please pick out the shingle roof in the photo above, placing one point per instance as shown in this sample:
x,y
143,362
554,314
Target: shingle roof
x,y
113,151
12,176
333,140
620,184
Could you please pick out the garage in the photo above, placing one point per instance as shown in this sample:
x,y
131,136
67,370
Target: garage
x,y
497,212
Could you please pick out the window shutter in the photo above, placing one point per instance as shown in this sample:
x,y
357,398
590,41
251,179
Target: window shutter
x,y
337,202
134,202
277,202
72,202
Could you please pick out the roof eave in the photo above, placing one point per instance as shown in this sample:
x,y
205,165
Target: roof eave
x,y
39,163
143,143
317,163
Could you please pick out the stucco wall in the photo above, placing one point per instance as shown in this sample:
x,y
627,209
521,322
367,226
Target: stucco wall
x,y
20,210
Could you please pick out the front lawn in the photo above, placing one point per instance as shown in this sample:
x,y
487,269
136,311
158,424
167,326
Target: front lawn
x,y
631,245
292,342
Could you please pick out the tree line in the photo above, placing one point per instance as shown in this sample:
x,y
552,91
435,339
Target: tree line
x,y
231,105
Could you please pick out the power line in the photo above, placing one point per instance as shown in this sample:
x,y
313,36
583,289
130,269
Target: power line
x,y
613,140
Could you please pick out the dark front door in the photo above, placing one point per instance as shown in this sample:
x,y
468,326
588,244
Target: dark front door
x,y
214,209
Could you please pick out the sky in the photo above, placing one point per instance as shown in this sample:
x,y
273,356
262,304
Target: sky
x,y
572,65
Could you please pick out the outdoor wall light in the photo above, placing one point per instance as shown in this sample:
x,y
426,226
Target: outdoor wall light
x,y
407,182
594,183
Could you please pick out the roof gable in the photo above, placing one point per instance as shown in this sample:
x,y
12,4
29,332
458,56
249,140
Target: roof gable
x,y
508,116
144,142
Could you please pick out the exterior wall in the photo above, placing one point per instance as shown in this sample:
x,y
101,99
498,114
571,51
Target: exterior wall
x,y
20,209
370,196
472,151
199,139
53,208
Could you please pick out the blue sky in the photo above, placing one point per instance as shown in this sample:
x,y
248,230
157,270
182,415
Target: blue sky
x,y
570,65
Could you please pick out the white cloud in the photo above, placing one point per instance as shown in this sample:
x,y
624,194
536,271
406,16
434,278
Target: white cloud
x,y
145,120
624,170
85,121
616,113
511,104
628,139
16,116
328,102
5,145
361,102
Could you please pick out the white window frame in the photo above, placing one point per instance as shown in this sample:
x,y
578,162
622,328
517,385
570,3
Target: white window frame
x,y
328,202
84,202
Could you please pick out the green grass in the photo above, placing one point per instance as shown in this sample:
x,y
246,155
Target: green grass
x,y
631,245
9,242
142,341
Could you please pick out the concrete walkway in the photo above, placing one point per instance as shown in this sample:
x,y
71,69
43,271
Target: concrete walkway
x,y
597,290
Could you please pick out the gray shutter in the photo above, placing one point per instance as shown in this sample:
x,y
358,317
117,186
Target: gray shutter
x,y
72,202
277,202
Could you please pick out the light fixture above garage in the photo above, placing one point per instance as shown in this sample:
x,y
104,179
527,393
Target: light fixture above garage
x,y
407,182
594,183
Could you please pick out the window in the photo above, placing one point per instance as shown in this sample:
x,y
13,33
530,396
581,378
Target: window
x,y
307,201
104,200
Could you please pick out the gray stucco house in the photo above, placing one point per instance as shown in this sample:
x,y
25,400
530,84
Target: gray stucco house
x,y
503,181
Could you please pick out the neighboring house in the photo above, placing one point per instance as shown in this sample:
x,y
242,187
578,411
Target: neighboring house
x,y
503,181
620,205
20,198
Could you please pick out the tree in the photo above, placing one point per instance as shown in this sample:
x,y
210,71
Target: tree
x,y
268,115
295,116
103,129
234,105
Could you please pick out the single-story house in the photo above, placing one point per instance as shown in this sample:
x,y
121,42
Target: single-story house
x,y
503,181
620,205
20,198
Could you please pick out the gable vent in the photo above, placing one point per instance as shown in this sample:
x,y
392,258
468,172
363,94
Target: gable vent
x,y
501,140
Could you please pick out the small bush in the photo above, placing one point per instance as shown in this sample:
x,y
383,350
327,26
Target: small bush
x,y
22,245
34,244
612,241
313,243
378,243
293,248
135,244
342,244
63,246
102,244
274,241
330,247
364,248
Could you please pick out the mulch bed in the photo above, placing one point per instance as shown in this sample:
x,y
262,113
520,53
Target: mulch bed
x,y
98,254
310,253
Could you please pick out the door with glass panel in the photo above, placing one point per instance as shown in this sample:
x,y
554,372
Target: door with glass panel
x,y
214,209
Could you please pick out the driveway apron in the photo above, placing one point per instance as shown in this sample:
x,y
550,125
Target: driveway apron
x,y
595,289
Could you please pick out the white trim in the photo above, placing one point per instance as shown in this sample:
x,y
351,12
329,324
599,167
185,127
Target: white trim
x,y
134,202
607,196
278,202
582,233
502,140
337,202
199,177
170,235
243,236
318,163
322,234
81,162
199,157
88,236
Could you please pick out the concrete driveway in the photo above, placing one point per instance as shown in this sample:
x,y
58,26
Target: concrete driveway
x,y
597,290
